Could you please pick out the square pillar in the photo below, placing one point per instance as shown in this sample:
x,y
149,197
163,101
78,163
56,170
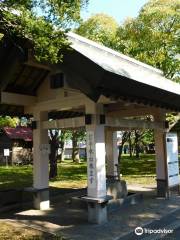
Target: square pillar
x,y
97,210
41,162
111,154
161,158
96,162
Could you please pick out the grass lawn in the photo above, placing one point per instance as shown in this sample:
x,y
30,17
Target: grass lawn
x,y
73,175
70,175
139,171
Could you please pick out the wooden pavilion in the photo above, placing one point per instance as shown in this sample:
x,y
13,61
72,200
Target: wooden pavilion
x,y
95,88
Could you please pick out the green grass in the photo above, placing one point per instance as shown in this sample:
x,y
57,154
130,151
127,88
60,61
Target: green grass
x,y
139,171
73,175
69,175
15,177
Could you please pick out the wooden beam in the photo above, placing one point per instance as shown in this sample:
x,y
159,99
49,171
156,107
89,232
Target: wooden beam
x,y
118,123
17,99
68,123
112,123
65,103
132,110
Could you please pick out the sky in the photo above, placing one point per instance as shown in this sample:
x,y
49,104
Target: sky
x,y
119,9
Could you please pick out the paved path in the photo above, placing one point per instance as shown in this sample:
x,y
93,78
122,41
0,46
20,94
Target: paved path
x,y
72,223
169,224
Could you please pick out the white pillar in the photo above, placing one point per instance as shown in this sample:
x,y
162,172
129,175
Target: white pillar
x,y
96,161
161,161
41,162
111,153
97,212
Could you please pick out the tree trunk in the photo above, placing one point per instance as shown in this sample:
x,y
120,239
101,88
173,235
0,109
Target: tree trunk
x,y
53,154
130,145
75,155
136,143
125,137
75,148
62,151
120,152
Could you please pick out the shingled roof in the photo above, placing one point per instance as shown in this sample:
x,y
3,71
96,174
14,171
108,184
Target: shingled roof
x,y
23,133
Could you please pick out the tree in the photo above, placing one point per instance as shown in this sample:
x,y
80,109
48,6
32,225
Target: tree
x,y
54,145
77,136
99,28
43,22
124,138
153,37
64,136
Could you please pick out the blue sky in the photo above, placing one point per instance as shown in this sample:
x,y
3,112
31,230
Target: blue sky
x,y
119,9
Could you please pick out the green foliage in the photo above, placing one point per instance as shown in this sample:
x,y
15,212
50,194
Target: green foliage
x,y
140,171
8,121
100,28
69,174
44,22
174,121
153,37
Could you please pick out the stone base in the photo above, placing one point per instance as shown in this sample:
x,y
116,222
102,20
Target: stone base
x,y
162,188
117,189
97,213
174,190
41,199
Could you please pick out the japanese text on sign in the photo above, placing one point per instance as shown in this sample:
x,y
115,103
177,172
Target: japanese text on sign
x,y
91,157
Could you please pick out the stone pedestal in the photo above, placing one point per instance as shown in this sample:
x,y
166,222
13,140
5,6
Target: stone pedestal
x,y
97,213
117,189
97,209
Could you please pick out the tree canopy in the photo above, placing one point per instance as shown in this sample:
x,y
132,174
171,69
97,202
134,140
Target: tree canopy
x,y
100,28
153,37
44,22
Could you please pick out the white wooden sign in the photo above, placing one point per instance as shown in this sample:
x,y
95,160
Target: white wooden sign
x,y
172,159
6,152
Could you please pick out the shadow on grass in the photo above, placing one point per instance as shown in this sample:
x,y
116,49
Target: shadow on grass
x,y
15,177
145,165
69,171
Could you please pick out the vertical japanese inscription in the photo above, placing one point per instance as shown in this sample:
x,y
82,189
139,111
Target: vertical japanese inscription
x,y
91,159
